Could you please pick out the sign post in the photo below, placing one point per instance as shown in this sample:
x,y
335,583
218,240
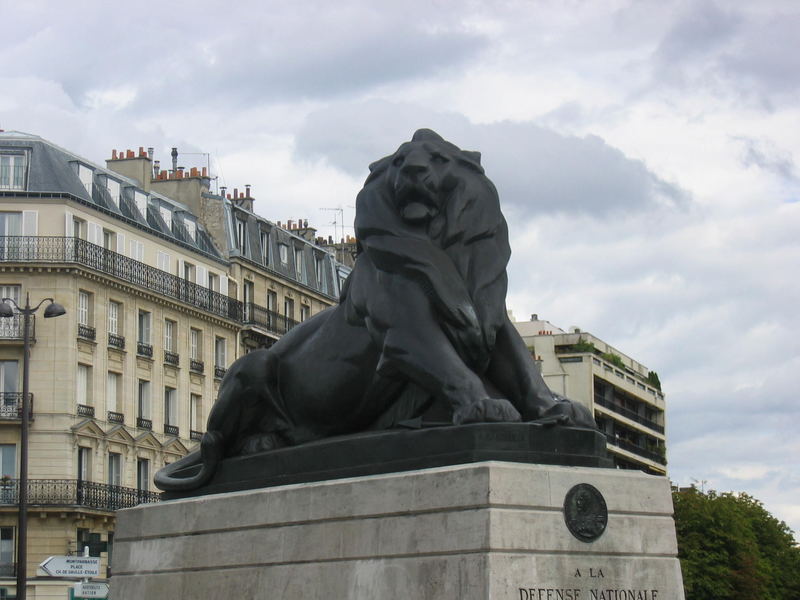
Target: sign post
x,y
80,567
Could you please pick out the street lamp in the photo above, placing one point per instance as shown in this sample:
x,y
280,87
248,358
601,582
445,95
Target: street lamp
x,y
54,309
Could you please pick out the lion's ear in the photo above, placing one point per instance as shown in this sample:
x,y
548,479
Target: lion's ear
x,y
472,155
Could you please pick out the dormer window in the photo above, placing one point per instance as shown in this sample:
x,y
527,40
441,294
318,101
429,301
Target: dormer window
x,y
241,235
140,200
113,191
86,175
191,228
12,171
166,214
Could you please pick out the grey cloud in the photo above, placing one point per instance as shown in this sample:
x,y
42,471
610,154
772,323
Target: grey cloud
x,y
535,169
766,156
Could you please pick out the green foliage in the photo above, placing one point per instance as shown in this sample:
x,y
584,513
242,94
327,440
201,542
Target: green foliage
x,y
731,548
584,346
652,379
614,359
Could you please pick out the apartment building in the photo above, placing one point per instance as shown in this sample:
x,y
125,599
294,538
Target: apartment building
x,y
161,296
624,395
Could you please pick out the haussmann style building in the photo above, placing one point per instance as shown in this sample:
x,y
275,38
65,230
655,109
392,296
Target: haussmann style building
x,y
164,284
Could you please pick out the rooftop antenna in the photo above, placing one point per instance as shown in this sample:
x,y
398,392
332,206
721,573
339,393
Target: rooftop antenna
x,y
338,218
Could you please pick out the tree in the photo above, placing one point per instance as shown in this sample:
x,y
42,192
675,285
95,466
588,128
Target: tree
x,y
732,548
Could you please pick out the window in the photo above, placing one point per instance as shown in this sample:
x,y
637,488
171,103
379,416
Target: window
x,y
283,251
188,272
137,250
265,247
113,190
140,200
114,312
213,282
143,399
9,370
191,227
112,391
10,328
86,175
142,474
195,412
319,272
272,301
170,406
298,265
241,235
305,312
83,392
114,468
10,223
109,240
170,327
79,228
220,352
12,171
166,214
83,307
288,308
8,460
84,463
196,344
6,547
163,261
144,327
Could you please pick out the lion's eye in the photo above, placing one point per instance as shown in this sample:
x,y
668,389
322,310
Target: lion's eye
x,y
438,158
398,160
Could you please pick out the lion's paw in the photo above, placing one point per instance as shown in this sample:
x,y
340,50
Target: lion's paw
x,y
488,410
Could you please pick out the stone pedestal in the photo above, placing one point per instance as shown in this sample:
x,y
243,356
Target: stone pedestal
x,y
490,530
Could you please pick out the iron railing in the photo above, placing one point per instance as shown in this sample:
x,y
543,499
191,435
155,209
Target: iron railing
x,y
115,417
143,349
631,447
85,411
116,341
171,358
195,435
52,249
219,372
86,332
11,405
76,492
630,414
11,328
143,423
266,319
171,430
198,366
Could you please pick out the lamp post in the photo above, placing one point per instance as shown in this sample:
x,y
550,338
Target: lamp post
x,y
53,309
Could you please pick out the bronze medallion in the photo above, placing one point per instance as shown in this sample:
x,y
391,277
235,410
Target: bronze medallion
x,y
585,512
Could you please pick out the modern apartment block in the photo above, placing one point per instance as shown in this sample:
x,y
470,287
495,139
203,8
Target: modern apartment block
x,y
164,284
624,395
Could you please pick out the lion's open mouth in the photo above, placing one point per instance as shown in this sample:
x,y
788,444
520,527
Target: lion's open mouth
x,y
415,200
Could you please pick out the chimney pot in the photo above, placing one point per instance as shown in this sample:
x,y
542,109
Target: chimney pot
x,y
130,154
174,158
205,173
235,193
113,155
229,196
141,151
246,190
289,224
150,153
534,317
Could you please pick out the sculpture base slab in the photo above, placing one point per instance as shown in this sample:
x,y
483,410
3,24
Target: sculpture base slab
x,y
396,450
490,530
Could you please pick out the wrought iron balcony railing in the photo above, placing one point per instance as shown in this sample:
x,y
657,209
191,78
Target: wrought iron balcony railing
x,y
75,492
11,328
46,249
116,341
115,417
143,423
143,349
11,405
86,332
636,449
195,435
266,319
85,411
625,412
198,366
219,372
171,358
171,430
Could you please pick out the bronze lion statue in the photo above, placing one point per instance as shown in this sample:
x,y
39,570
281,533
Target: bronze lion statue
x,y
421,329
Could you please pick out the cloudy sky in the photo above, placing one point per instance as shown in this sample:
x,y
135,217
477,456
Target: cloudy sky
x,y
645,155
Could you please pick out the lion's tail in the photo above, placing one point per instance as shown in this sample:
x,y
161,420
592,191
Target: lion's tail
x,y
193,470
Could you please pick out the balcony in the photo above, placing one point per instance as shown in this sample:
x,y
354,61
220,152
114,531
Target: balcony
x,y
86,332
46,249
171,430
143,349
143,423
77,493
266,319
631,447
198,366
219,372
85,411
11,406
116,341
11,328
627,413
171,358
115,417
195,435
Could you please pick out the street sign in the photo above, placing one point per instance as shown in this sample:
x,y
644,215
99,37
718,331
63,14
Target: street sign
x,y
72,566
91,589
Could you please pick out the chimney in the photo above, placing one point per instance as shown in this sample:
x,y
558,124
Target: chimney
x,y
130,154
156,168
289,224
113,155
150,153
141,152
179,174
174,159
534,317
222,191
205,172
246,190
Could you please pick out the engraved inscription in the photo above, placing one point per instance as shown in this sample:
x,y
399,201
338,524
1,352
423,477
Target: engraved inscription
x,y
585,512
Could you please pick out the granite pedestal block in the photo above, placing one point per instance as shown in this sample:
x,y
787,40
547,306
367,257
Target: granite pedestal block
x,y
488,530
